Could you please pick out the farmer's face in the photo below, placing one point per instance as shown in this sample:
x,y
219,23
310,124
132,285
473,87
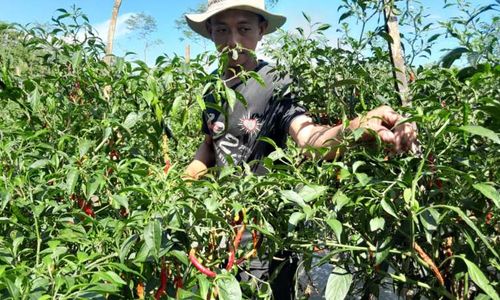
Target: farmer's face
x,y
237,28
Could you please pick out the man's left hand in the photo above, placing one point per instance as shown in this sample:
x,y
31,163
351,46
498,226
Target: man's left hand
x,y
389,126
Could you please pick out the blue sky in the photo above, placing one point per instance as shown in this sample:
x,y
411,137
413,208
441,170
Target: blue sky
x,y
166,11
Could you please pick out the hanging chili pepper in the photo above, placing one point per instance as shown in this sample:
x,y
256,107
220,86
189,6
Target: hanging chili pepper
x,y
234,247
430,263
257,242
85,206
254,238
239,235
178,284
114,155
232,256
89,211
168,164
123,212
198,265
163,280
140,290
489,216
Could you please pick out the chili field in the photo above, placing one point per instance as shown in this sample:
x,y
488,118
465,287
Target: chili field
x,y
93,204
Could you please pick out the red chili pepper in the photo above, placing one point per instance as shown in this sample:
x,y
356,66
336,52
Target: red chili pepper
x,y
178,278
239,235
114,155
163,280
256,239
489,216
198,265
234,248
83,205
168,164
123,212
439,184
140,290
89,211
178,282
257,242
232,256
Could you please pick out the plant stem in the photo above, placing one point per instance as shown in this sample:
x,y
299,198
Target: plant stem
x,y
403,278
97,261
37,232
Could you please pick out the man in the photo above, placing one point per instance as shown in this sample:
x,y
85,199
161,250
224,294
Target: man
x,y
242,24
235,137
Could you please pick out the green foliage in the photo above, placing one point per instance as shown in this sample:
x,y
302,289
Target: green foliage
x,y
13,54
87,209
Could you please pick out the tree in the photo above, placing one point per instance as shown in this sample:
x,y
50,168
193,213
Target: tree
x,y
396,52
111,30
15,56
143,26
187,34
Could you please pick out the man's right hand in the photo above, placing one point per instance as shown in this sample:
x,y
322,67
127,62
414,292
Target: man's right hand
x,y
203,159
195,170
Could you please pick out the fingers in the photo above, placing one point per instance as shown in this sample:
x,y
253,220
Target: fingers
x,y
384,115
391,128
405,135
385,135
389,117
400,139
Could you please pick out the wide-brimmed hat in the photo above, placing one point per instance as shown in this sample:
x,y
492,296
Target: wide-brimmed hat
x,y
197,22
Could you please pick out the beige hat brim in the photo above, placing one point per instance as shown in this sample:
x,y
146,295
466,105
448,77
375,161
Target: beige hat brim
x,y
197,22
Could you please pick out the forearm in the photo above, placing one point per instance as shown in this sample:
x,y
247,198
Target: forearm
x,y
307,134
382,123
326,137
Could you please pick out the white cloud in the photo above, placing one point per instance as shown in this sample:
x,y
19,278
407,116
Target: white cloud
x,y
121,27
